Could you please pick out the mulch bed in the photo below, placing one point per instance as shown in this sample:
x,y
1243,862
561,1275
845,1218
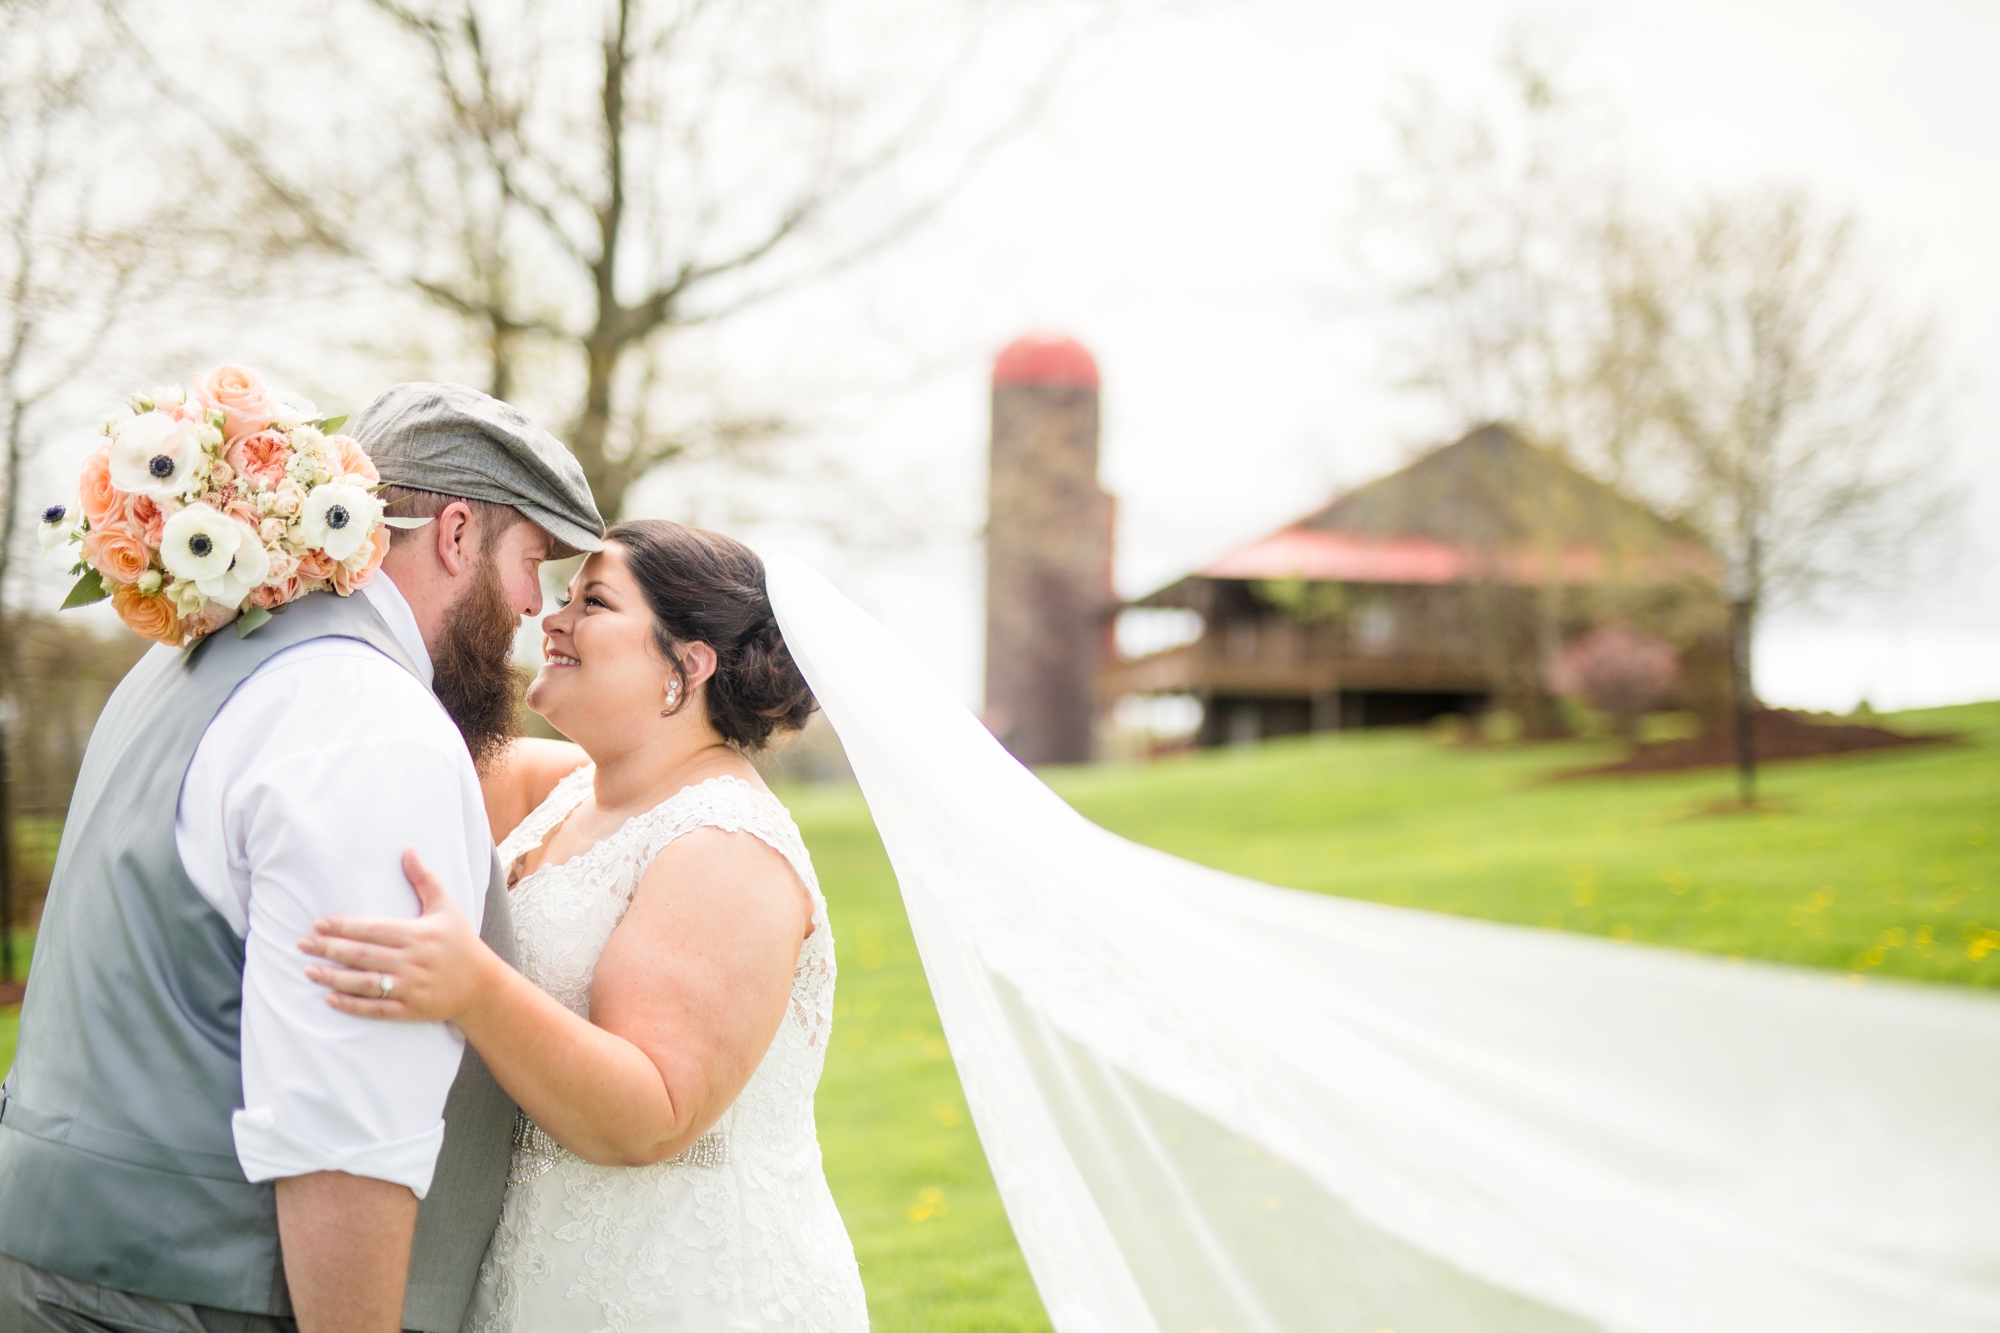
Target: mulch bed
x,y
11,992
1780,734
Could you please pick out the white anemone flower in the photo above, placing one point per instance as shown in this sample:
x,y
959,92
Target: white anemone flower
x,y
337,518
153,454
60,524
289,411
200,543
250,567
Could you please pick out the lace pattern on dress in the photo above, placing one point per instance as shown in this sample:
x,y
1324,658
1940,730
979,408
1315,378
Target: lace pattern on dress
x,y
738,1231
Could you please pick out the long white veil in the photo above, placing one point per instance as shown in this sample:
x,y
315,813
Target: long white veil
x,y
1213,1104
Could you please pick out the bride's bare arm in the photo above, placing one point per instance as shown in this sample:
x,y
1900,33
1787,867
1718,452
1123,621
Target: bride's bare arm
x,y
520,778
686,998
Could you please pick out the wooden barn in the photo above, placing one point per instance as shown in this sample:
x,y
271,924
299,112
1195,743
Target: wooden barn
x,y
1450,586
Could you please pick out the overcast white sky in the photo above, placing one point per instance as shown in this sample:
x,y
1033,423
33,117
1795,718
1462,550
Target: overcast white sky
x,y
1178,208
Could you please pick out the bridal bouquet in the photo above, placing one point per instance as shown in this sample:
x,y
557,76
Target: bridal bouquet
x,y
219,506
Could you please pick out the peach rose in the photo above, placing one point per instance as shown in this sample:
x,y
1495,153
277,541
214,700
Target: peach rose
x,y
102,502
350,459
150,614
271,596
246,405
116,553
212,617
243,511
316,564
260,458
144,517
369,558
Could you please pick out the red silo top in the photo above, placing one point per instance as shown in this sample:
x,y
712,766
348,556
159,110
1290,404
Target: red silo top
x,y
1041,358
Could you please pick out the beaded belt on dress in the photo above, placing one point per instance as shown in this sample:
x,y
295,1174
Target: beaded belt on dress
x,y
535,1153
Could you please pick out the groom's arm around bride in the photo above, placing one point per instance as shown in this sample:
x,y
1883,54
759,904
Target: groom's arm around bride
x,y
189,1124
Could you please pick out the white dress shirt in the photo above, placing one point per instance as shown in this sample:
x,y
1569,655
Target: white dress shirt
x,y
321,768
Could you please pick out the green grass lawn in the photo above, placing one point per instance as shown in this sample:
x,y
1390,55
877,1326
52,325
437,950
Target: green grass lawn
x,y
1875,864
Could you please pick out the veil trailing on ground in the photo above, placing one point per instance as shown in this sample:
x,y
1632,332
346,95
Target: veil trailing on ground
x,y
1213,1104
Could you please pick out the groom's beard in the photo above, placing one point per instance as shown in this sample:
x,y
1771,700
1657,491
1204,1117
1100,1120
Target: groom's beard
x,y
473,669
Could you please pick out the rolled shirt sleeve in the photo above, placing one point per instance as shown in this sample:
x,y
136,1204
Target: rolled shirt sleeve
x,y
339,761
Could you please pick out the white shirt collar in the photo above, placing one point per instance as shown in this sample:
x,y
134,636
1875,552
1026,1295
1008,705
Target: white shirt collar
x,y
388,601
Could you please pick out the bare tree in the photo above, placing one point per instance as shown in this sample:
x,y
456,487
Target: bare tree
x,y
1506,251
1798,417
1500,237
574,194
1734,365
76,267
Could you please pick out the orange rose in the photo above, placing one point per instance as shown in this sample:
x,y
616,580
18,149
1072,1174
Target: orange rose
x,y
150,614
260,457
346,580
102,502
144,516
349,458
245,403
116,553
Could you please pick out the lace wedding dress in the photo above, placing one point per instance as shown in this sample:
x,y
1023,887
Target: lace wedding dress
x,y
739,1231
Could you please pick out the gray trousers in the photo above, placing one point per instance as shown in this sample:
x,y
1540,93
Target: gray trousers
x,y
33,1300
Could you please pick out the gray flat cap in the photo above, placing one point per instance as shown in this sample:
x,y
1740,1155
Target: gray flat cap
x,y
458,441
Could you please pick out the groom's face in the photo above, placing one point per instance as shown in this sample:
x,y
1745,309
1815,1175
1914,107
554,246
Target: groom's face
x,y
516,554
473,658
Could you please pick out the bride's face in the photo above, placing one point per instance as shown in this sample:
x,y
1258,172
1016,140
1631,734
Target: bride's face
x,y
601,663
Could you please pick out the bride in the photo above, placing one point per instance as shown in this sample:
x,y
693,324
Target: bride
x,y
667,1028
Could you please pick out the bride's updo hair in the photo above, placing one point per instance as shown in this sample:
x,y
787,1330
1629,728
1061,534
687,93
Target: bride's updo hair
x,y
704,587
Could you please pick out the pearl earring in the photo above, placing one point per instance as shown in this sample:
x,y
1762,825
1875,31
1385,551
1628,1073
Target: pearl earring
x,y
673,697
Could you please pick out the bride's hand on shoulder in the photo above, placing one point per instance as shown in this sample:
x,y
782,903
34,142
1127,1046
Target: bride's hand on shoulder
x,y
430,969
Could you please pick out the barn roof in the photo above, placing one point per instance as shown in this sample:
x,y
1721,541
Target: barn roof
x,y
1489,490
1488,505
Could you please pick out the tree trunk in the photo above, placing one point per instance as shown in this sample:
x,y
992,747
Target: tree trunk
x,y
500,358
1742,616
6,860
607,476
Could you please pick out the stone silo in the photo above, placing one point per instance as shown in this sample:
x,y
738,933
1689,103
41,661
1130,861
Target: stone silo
x,y
1049,594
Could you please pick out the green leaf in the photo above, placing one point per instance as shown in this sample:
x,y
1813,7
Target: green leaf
x,y
332,424
90,588
252,617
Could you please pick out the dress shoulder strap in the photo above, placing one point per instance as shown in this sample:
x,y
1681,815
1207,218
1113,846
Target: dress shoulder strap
x,y
555,807
733,805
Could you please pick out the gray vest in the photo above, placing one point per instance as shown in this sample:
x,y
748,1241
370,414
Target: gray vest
x,y
117,1164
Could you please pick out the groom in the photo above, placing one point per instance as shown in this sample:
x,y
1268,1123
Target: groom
x,y
190,1138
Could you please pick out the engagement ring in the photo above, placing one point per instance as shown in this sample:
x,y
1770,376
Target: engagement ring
x,y
388,983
